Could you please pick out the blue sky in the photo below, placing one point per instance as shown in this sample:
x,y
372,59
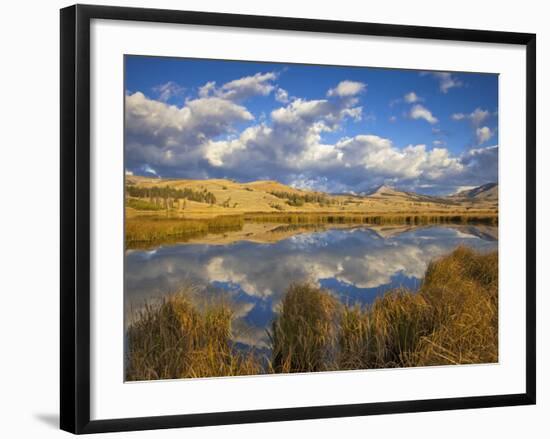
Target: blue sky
x,y
331,128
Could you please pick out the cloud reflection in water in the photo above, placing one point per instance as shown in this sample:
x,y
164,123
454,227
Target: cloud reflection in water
x,y
357,264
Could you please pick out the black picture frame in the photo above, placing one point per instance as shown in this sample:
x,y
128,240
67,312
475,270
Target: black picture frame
x,y
75,217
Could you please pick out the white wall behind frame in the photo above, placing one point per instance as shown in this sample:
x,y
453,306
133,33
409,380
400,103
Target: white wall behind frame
x,y
29,397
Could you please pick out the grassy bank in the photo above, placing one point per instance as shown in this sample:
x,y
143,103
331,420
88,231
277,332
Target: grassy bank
x,y
328,218
144,231
147,230
452,319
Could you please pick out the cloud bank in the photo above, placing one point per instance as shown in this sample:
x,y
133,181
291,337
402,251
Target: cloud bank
x,y
216,135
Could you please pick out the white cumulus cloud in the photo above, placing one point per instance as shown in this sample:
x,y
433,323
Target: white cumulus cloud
x,y
477,117
483,134
168,90
446,81
379,156
281,95
420,112
260,84
347,88
168,135
411,98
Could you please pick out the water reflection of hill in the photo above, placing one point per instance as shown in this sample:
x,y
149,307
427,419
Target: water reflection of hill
x,y
487,233
268,233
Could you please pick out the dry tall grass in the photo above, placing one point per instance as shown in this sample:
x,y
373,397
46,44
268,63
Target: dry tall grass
x,y
452,319
462,291
176,339
145,230
384,335
358,218
303,336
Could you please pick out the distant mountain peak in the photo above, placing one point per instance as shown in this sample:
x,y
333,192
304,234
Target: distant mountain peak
x,y
487,191
384,189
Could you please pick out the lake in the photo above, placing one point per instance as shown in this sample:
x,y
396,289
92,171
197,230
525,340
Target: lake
x,y
253,267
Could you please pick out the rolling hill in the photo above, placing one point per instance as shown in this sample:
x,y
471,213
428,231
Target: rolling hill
x,y
212,197
486,192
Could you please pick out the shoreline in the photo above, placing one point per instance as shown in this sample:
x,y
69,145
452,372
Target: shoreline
x,y
148,231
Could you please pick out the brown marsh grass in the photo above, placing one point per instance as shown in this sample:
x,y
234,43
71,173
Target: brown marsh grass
x,y
304,333
146,230
394,218
451,319
384,335
177,339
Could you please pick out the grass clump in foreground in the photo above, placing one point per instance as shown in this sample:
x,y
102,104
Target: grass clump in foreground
x,y
176,339
452,319
385,335
303,336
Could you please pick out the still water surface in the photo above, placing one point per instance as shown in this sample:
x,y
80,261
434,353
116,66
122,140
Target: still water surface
x,y
357,264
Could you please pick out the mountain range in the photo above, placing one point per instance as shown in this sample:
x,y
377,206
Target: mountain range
x,y
488,192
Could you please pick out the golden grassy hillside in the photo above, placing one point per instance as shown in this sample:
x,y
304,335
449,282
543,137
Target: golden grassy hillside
x,y
234,198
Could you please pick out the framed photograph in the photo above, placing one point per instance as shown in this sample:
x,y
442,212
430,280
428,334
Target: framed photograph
x,y
268,218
